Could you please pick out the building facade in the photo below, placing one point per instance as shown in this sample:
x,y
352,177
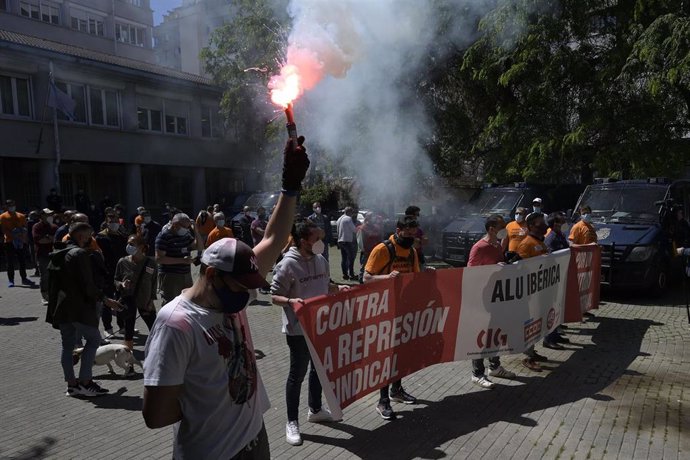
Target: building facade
x,y
140,134
186,30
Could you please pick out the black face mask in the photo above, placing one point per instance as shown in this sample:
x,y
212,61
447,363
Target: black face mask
x,y
404,241
231,301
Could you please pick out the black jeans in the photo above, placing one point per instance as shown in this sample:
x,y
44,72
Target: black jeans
x,y
384,395
478,368
14,253
348,252
299,359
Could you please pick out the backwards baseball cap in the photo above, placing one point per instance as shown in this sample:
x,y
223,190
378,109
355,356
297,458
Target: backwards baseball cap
x,y
537,200
47,212
237,259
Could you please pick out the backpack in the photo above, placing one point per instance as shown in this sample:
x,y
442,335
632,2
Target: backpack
x,y
56,276
391,254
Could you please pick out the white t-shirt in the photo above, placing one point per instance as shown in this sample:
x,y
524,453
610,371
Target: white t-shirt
x,y
202,350
346,229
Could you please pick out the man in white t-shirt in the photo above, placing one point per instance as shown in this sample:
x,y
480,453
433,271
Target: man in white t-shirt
x,y
347,243
200,370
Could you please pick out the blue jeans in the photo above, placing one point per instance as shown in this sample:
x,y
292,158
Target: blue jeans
x,y
70,333
299,360
348,251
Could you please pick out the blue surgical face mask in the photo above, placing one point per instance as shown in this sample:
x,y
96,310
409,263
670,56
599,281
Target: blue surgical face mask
x,y
587,218
536,209
182,231
231,301
519,218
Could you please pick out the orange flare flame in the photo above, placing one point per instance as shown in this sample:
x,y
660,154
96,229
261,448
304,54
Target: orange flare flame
x,y
285,87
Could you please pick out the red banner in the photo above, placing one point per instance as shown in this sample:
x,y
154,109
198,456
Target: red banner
x,y
383,331
584,277
374,334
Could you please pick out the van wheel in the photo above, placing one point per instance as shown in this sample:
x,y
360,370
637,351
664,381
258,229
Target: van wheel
x,y
661,282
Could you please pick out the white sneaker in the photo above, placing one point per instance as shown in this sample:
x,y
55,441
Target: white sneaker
x,y
292,434
482,382
324,415
501,372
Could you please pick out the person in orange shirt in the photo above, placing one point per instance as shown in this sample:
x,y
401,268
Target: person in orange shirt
x,y
205,223
583,232
532,246
517,230
15,242
220,231
390,259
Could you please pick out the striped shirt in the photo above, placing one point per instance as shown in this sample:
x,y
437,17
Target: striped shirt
x,y
174,246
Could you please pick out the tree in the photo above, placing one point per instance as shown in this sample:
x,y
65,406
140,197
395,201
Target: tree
x,y
554,92
240,57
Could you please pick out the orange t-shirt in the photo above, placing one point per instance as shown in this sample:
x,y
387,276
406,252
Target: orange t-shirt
x,y
205,227
583,233
380,257
9,222
531,247
516,233
93,245
218,234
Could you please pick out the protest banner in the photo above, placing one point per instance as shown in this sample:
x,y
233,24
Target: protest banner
x,y
372,335
584,278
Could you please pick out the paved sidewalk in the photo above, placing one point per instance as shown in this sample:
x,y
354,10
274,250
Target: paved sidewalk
x,y
620,390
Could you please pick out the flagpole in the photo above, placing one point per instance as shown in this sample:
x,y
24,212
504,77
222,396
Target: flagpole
x,y
57,138
43,117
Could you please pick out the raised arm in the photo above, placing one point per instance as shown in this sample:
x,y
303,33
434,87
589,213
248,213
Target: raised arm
x,y
295,165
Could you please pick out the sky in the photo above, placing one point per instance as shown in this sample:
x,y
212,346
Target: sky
x,y
160,7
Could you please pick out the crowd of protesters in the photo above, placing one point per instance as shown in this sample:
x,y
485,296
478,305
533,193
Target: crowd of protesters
x,y
96,264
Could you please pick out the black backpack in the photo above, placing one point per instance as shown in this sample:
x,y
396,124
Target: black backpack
x,y
56,275
391,254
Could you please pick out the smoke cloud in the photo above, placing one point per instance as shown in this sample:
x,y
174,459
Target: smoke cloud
x,y
362,63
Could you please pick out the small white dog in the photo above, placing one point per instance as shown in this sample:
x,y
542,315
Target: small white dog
x,y
118,353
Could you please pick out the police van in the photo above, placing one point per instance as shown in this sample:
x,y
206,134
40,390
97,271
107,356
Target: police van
x,y
468,227
633,222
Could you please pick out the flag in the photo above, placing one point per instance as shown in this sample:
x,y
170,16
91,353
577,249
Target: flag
x,y
61,101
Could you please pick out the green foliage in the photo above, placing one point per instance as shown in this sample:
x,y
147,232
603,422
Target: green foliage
x,y
559,91
240,57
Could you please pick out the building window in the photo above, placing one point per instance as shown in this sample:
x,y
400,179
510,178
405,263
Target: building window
x,y
209,121
87,22
78,94
15,99
40,10
175,125
134,2
103,107
149,119
127,33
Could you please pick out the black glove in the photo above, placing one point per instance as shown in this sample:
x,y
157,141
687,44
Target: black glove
x,y
295,166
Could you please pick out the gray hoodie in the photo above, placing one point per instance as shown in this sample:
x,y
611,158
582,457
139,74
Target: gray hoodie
x,y
298,276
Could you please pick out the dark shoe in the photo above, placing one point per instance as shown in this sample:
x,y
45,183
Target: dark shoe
x,y
588,315
531,365
401,396
345,277
561,339
28,282
10,284
539,358
92,389
385,411
73,390
563,326
552,345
